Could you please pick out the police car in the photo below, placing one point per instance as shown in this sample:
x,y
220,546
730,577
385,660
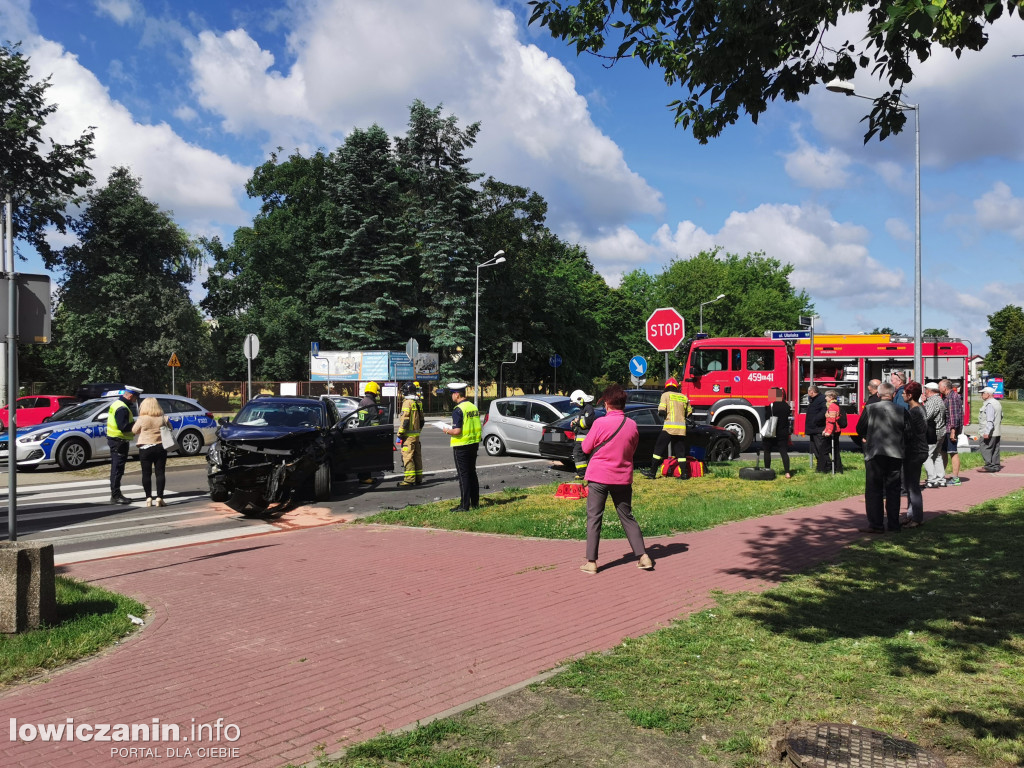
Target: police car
x,y
82,434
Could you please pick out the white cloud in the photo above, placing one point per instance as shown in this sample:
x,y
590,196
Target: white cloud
x,y
536,129
898,229
120,11
201,187
999,210
810,167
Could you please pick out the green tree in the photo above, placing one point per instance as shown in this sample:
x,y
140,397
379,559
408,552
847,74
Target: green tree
x,y
261,282
1006,345
941,333
887,331
441,214
123,305
366,267
41,182
730,56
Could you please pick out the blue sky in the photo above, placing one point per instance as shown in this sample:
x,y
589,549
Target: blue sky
x,y
193,95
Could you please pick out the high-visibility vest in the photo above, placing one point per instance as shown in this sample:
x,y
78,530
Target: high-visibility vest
x,y
112,430
470,425
412,418
677,408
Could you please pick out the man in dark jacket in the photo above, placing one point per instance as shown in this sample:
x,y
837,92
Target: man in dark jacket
x,y
814,426
883,426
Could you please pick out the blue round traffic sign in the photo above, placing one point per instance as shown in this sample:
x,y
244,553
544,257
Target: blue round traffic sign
x,y
637,365
555,360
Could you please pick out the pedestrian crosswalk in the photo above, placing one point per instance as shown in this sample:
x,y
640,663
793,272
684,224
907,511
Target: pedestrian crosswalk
x,y
79,520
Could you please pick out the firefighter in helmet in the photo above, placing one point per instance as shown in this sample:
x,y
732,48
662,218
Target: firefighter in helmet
x,y
409,436
369,413
581,424
674,407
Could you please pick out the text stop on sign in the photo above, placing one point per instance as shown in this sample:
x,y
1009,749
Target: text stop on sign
x,y
665,329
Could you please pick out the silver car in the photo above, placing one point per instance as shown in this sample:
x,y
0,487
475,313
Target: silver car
x,y
515,424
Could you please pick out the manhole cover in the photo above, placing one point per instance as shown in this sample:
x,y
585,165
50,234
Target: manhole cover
x,y
834,745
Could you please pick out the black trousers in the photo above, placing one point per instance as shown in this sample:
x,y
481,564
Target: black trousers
x,y
118,458
882,496
153,458
465,467
819,449
666,441
781,446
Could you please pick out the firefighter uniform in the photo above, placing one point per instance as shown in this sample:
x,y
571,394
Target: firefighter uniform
x,y
675,407
580,425
409,435
369,414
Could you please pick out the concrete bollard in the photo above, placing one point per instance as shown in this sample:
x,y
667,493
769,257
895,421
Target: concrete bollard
x,y
28,591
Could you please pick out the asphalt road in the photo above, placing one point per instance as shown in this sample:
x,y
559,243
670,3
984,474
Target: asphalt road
x,y
71,510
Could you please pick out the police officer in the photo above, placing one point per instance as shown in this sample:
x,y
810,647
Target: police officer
x,y
369,413
674,407
119,438
580,424
409,436
465,434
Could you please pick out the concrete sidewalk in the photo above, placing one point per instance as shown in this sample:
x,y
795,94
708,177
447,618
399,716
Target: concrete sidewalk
x,y
330,635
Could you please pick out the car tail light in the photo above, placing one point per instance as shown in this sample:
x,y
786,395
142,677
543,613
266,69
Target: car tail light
x,y
210,416
569,434
486,417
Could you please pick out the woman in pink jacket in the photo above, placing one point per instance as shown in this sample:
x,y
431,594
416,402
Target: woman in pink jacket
x,y
610,444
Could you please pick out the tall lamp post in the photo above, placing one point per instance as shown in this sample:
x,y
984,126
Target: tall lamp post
x,y
846,87
719,297
497,258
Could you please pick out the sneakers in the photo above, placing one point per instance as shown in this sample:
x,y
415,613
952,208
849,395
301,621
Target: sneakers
x,y
645,563
953,481
589,568
159,503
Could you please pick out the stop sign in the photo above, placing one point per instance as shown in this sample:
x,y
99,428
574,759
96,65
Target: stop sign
x,y
665,329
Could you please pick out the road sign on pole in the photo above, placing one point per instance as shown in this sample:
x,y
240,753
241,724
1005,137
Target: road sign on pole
x,y
251,348
637,366
665,329
555,360
790,335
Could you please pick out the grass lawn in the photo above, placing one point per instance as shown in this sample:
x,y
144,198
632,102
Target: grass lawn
x,y
663,506
1013,411
88,620
918,635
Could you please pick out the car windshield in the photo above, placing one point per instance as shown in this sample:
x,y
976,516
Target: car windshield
x,y
262,414
77,412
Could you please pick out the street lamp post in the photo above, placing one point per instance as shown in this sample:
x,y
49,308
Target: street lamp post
x,y
497,258
719,297
845,87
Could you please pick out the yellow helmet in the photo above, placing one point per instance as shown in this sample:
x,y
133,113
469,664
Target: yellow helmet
x,y
373,388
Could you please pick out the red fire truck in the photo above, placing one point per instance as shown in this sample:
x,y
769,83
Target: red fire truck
x,y
730,380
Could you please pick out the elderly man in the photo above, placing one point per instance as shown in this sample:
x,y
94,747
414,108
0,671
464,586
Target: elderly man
x,y
898,382
990,416
883,425
935,430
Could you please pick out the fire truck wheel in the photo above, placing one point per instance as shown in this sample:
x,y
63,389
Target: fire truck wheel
x,y
756,473
740,427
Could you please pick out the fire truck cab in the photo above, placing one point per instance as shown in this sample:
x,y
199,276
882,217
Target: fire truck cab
x,y
730,380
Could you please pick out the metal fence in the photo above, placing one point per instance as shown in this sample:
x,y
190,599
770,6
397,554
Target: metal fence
x,y
230,396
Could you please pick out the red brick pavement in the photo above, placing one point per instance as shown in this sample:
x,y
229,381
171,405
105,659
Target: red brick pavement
x,y
332,634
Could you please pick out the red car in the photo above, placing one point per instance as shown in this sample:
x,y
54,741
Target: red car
x,y
32,409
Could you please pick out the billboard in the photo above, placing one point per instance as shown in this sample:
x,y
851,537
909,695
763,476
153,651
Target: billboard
x,y
371,365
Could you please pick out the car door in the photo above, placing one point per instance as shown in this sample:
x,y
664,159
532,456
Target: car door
x,y
174,411
648,424
97,433
362,447
31,410
513,421
538,416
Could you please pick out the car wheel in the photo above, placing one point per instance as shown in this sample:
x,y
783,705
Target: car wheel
x,y
720,450
756,473
190,443
494,446
72,455
740,427
322,482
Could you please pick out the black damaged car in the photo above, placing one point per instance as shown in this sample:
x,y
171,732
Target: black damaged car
x,y
280,449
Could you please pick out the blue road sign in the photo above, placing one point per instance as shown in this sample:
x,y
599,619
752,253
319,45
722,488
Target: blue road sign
x,y
790,335
637,366
314,348
555,360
